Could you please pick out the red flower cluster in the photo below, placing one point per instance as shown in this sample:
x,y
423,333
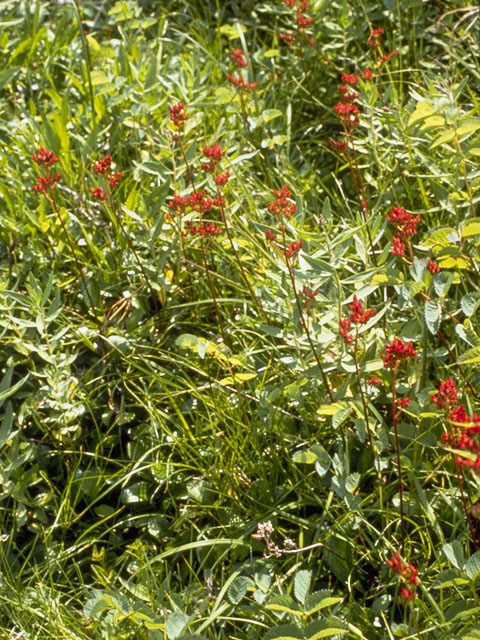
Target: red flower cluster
x,y
303,21
308,295
464,437
178,204
408,573
287,37
406,223
338,145
238,58
403,402
388,56
270,235
348,113
45,157
240,83
358,315
367,74
349,78
215,154
203,229
223,178
374,38
345,325
48,182
374,380
98,193
282,205
433,267
199,202
115,178
397,351
178,115
103,166
293,249
447,394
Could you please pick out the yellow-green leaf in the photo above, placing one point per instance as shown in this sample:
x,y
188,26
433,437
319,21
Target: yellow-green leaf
x,y
471,228
468,125
444,137
422,111
433,121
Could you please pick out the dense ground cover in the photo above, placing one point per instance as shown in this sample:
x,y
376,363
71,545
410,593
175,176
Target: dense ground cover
x,y
240,339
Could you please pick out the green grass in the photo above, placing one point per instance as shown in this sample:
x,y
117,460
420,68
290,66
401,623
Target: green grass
x,y
163,394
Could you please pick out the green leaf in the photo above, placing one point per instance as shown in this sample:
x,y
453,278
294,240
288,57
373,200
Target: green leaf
x,y
471,356
454,554
239,588
444,137
176,623
469,304
306,456
468,125
326,209
320,600
238,378
472,634
270,114
284,632
6,426
449,578
471,228
472,566
285,603
441,236
326,628
422,111
301,585
432,313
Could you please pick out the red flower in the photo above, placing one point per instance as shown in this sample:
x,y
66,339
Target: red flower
x,y
348,113
214,152
367,74
98,193
282,205
46,183
349,78
270,235
374,39
406,594
203,229
178,204
447,394
303,21
102,166
405,222
403,402
397,351
115,178
178,115
238,58
293,249
345,325
374,380
360,315
398,248
432,266
222,178
240,83
388,56
287,37
45,157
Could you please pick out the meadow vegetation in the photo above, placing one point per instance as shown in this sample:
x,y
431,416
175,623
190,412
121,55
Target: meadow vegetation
x,y
240,342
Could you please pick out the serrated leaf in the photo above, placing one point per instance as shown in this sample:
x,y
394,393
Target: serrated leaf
x,y
441,236
301,585
422,110
471,228
176,623
444,137
449,578
239,588
320,600
454,554
432,314
453,262
326,628
418,269
468,125
470,357
340,416
285,603
469,304
284,632
472,566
